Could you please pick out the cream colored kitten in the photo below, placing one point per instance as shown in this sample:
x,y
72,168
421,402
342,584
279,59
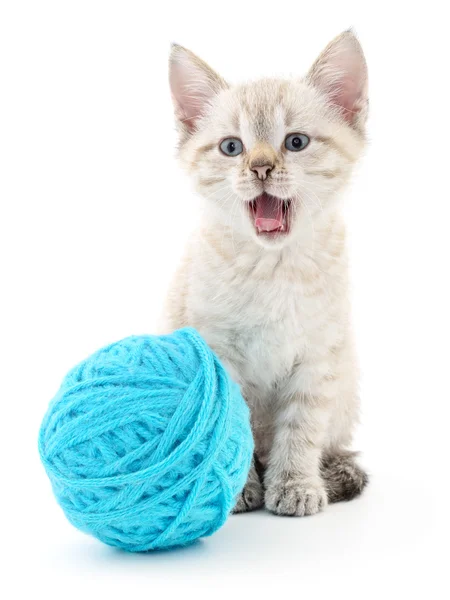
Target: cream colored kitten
x,y
264,279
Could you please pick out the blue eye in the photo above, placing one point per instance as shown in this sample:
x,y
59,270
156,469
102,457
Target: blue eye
x,y
231,146
296,142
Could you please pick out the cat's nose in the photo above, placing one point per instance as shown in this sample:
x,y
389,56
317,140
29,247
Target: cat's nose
x,y
262,171
262,159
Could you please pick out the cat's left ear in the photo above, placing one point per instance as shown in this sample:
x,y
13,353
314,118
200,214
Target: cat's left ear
x,y
340,73
193,84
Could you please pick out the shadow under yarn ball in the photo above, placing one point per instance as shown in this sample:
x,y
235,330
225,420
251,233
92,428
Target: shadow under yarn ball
x,y
148,442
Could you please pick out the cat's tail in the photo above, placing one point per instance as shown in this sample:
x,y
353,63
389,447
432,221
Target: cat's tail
x,y
344,478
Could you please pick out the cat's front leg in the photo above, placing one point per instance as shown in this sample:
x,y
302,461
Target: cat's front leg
x,y
293,482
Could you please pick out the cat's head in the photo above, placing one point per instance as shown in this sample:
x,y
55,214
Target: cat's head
x,y
271,154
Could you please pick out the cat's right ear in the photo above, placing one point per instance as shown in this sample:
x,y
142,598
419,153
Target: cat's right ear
x,y
193,84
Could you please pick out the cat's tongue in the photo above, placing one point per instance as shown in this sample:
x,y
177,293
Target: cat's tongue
x,y
268,213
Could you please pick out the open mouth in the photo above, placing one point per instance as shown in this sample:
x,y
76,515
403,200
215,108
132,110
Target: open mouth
x,y
271,216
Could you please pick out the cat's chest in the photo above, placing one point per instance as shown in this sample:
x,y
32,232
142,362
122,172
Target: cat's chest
x,y
262,323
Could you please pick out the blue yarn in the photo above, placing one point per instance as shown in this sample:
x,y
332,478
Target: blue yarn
x,y
148,442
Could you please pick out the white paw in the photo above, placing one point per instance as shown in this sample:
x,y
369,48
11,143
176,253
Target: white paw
x,y
296,497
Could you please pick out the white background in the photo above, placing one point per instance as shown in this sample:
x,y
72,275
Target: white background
x,y
94,214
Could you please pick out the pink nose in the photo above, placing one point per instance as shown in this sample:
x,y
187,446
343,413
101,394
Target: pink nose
x,y
262,171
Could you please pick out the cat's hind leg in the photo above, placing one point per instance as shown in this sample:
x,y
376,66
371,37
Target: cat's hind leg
x,y
252,496
344,478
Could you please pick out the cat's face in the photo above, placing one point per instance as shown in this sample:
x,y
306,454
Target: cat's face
x,y
269,155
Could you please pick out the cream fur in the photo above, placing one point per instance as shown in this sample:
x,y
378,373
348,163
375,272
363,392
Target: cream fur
x,y
276,311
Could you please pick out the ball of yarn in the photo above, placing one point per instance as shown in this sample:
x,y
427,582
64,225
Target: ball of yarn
x,y
148,442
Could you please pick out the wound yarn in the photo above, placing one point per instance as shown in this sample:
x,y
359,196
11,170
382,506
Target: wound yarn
x,y
148,442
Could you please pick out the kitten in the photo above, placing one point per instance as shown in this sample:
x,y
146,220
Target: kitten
x,y
264,279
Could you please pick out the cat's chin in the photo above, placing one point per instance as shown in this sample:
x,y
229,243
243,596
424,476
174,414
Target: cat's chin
x,y
272,242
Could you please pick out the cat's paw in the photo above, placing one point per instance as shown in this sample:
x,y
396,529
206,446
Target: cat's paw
x,y
344,478
251,497
296,497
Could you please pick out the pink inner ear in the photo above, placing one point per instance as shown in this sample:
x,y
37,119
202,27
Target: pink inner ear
x,y
341,73
187,104
346,95
193,84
